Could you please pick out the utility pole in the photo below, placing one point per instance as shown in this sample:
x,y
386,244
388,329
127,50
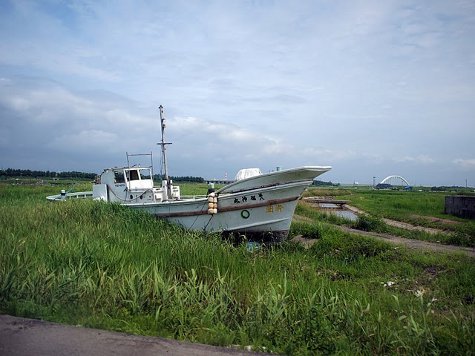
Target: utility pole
x,y
164,156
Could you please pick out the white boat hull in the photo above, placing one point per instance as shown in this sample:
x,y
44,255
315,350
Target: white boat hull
x,y
259,208
263,213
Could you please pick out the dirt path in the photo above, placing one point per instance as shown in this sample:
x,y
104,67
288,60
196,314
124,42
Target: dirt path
x,y
437,220
406,226
22,337
411,243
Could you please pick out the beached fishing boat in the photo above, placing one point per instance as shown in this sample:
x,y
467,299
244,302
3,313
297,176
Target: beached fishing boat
x,y
259,207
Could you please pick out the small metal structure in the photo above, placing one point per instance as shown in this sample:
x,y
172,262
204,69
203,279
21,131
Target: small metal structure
x,y
393,181
137,155
338,202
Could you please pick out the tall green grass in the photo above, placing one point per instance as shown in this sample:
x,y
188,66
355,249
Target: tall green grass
x,y
102,265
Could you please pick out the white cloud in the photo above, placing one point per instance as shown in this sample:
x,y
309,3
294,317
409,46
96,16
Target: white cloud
x,y
224,147
17,103
328,155
465,163
228,138
86,140
424,159
48,103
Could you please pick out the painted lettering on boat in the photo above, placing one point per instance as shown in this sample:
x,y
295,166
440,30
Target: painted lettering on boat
x,y
245,198
274,208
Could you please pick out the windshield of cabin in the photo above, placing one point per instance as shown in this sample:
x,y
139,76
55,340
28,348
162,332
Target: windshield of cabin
x,y
145,174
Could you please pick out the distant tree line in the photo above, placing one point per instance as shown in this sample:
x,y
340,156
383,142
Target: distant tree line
x,y
446,188
320,183
15,173
158,177
9,172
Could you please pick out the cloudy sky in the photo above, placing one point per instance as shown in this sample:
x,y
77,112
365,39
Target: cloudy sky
x,y
372,88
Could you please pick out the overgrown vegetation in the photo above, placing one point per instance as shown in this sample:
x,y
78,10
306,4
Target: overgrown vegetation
x,y
102,265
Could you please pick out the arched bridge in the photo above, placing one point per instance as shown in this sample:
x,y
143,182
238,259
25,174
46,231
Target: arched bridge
x,y
395,181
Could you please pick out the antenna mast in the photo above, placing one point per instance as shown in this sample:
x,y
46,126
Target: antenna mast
x,y
164,156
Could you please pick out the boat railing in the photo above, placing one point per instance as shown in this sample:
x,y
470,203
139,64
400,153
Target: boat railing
x,y
186,197
75,195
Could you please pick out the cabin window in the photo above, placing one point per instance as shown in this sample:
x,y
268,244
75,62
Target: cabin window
x,y
133,175
119,177
145,174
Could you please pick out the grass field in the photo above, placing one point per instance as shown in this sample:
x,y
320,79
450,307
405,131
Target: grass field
x,y
102,265
420,208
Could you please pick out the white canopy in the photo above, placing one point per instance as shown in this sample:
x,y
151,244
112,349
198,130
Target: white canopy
x,y
247,173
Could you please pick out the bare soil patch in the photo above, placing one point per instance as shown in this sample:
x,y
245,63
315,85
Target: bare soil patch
x,y
307,243
300,218
437,220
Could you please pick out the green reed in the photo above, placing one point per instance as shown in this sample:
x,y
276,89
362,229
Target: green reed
x,y
103,265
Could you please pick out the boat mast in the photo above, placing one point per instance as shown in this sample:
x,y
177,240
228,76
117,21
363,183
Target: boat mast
x,y
164,156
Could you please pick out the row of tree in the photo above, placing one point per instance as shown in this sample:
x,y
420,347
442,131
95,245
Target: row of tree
x,y
158,177
320,183
10,172
17,173
447,188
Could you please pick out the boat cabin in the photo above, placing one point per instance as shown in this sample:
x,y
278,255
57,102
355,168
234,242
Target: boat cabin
x,y
132,185
135,178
